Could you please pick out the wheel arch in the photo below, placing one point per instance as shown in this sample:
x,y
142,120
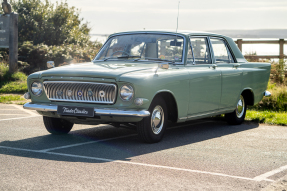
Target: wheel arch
x,y
248,95
171,103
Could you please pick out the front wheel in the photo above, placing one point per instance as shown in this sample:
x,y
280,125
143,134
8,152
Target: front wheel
x,y
57,125
152,128
238,115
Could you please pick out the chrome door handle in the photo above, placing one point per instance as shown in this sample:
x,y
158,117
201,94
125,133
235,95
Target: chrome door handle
x,y
236,65
213,66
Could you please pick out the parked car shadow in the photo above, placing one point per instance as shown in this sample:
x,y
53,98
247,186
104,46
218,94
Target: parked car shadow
x,y
118,149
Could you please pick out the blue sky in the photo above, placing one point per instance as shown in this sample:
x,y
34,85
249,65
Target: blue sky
x,y
109,16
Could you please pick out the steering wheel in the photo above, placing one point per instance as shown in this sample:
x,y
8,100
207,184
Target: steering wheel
x,y
120,51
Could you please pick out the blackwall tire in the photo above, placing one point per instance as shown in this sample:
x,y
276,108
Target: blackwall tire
x,y
151,129
238,115
57,125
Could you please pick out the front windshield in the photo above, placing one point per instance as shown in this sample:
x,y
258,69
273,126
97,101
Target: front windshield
x,y
143,47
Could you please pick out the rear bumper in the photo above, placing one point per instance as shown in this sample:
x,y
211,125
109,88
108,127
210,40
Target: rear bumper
x,y
98,112
267,94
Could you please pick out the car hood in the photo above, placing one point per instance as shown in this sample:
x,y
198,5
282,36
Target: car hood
x,y
110,69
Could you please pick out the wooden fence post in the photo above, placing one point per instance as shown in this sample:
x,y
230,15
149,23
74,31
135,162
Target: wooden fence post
x,y
13,42
239,44
281,48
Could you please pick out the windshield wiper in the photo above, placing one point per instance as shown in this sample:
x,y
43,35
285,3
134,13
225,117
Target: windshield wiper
x,y
107,58
129,57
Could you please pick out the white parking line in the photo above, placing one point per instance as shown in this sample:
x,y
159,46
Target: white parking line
x,y
90,142
13,114
20,107
136,163
85,143
270,173
19,118
7,109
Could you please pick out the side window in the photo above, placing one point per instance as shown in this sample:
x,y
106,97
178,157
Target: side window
x,y
170,49
221,52
200,50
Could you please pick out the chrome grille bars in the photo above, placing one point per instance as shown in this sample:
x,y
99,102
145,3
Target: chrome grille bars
x,y
89,92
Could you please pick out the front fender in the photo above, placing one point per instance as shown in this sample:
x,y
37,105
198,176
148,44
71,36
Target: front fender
x,y
173,81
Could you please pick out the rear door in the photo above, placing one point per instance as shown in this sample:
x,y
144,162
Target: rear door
x,y
231,72
205,78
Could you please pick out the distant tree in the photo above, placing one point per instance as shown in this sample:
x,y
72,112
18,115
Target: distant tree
x,y
41,21
50,31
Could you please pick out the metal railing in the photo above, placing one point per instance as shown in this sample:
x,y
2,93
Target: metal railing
x,y
281,43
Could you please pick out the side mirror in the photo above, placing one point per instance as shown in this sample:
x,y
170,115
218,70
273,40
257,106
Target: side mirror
x,y
50,64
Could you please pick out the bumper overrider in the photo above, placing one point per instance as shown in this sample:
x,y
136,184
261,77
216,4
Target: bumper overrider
x,y
98,112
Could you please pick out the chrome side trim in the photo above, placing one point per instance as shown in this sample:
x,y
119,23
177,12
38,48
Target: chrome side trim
x,y
226,110
98,112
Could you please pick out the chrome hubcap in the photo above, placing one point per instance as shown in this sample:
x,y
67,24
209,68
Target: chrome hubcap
x,y
240,107
157,119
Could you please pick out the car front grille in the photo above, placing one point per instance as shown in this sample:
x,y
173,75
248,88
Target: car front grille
x,y
88,92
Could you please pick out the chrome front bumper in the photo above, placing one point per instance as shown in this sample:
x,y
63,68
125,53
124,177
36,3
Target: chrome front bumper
x,y
98,112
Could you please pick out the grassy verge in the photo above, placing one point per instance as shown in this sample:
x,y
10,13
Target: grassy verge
x,y
12,83
8,99
277,101
267,117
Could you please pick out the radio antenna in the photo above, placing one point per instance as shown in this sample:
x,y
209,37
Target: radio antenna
x,y
177,16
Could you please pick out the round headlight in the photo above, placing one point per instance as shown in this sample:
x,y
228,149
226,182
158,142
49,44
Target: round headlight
x,y
37,88
126,92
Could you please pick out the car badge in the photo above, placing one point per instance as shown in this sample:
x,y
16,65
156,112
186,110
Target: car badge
x,y
90,93
70,92
80,93
102,94
59,93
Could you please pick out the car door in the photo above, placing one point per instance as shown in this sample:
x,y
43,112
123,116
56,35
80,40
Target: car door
x,y
231,72
205,78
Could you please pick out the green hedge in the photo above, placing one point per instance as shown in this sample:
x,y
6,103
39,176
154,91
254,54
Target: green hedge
x,y
34,57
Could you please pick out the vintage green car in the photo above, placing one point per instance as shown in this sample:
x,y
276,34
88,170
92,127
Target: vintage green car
x,y
145,78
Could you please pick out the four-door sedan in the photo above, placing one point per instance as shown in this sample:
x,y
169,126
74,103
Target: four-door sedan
x,y
145,78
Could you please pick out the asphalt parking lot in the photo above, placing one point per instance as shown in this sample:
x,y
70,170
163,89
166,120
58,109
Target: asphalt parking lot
x,y
200,155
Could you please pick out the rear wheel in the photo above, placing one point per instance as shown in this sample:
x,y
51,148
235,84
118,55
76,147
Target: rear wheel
x,y
151,129
57,125
238,115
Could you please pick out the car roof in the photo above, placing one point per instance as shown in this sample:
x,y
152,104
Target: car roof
x,y
180,32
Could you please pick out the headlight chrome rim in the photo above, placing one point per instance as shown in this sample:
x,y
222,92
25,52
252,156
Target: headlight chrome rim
x,y
38,87
126,89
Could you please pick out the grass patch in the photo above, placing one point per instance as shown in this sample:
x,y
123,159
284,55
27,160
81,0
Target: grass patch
x,y
277,101
21,102
12,83
14,87
267,117
10,98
